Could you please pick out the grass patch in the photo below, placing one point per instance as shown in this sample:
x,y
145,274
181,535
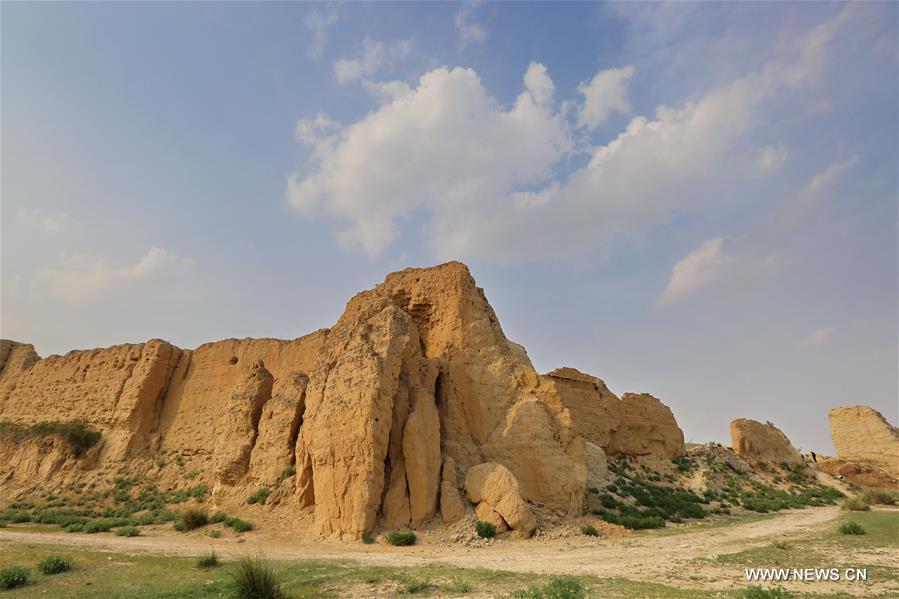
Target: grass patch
x,y
413,586
259,496
55,564
208,560
14,577
256,578
560,587
881,497
78,435
485,530
401,538
855,504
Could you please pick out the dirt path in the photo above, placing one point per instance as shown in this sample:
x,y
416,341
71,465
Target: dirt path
x,y
679,558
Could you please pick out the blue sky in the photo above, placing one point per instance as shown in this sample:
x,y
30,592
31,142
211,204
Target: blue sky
x,y
693,200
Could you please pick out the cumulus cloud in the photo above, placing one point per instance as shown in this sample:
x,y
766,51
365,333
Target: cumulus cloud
x,y
489,179
49,221
470,31
318,21
815,339
771,158
604,94
694,271
82,278
375,55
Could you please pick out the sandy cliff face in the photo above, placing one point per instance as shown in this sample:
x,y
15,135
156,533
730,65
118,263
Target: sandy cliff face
x,y
379,416
636,424
861,434
766,442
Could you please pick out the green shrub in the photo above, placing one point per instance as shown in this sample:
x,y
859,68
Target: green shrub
x,y
881,497
288,472
851,528
255,578
259,496
191,519
218,517
208,560
411,586
590,531
760,593
608,501
80,436
127,531
14,576
401,538
367,538
95,526
856,504
485,530
55,564
74,527
215,534
238,525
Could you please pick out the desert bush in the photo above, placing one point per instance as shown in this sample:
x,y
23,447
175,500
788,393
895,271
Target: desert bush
x,y
218,517
590,531
761,593
367,538
127,531
881,497
192,518
79,436
401,538
256,578
485,530
55,564
215,534
259,496
74,527
14,576
851,528
238,525
95,526
208,560
855,504
288,472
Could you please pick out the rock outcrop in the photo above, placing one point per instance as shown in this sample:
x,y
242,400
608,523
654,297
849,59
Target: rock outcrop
x,y
861,434
636,424
764,442
494,487
365,425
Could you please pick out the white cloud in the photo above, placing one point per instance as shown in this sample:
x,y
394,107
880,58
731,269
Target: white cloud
x,y
604,94
318,21
771,158
822,180
50,221
490,179
815,339
697,269
470,31
82,278
375,55
538,82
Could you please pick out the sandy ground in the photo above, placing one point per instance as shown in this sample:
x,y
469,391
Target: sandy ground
x,y
683,559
